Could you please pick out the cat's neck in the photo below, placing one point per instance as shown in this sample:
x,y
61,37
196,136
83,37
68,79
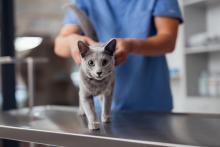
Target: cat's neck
x,y
95,80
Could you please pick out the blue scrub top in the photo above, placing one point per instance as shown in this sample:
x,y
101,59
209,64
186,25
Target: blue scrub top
x,y
142,83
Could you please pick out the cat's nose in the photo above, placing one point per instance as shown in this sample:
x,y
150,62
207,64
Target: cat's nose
x,y
99,73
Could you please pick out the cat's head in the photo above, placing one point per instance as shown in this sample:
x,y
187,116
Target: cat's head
x,y
97,61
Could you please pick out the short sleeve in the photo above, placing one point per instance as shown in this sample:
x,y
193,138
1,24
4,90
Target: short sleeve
x,y
168,8
69,17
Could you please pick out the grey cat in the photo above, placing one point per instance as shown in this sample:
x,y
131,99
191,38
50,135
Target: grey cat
x,y
96,72
96,78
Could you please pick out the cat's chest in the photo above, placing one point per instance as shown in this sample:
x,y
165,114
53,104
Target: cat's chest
x,y
95,87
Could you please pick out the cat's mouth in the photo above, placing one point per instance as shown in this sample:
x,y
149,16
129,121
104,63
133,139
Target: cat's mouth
x,y
99,77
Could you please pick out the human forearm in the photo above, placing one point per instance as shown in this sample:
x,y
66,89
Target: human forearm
x,y
153,46
163,42
64,40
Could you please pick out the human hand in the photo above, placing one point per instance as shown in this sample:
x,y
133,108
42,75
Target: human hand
x,y
123,48
74,38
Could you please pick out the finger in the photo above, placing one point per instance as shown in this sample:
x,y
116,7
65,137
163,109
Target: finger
x,y
118,50
90,41
78,59
120,57
119,54
76,56
119,60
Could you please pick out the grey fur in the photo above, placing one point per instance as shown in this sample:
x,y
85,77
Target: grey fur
x,y
94,84
90,84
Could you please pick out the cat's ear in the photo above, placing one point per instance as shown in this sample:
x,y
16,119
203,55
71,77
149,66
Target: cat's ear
x,y
83,48
110,47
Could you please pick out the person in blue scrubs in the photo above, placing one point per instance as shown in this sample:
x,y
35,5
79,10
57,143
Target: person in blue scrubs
x,y
146,31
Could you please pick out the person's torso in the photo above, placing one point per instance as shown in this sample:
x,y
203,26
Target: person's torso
x,y
142,83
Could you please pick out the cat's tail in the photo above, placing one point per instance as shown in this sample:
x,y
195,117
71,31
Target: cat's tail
x,y
85,23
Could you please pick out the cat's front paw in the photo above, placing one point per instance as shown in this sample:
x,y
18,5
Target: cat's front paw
x,y
81,112
94,125
106,118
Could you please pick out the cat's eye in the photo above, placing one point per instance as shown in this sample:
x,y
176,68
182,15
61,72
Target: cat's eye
x,y
91,63
104,62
